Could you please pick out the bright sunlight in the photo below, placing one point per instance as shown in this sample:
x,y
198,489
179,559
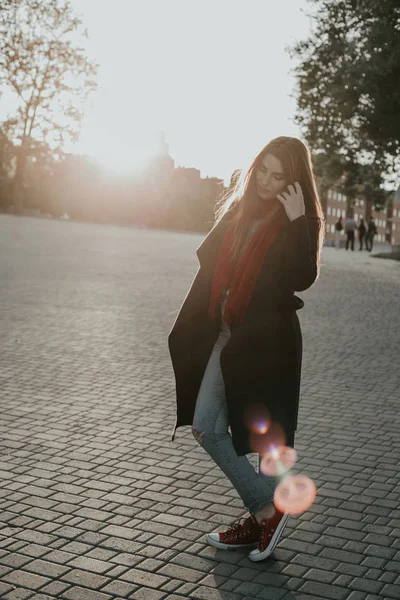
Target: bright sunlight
x,y
218,87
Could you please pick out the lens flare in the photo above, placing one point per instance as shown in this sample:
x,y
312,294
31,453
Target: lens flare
x,y
269,441
295,494
278,461
257,418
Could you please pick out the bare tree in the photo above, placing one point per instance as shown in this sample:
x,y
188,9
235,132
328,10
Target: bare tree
x,y
44,64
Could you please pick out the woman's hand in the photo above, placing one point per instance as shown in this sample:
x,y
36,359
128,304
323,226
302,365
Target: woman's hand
x,y
293,202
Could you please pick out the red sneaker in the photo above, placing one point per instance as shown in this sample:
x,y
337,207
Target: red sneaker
x,y
242,534
270,532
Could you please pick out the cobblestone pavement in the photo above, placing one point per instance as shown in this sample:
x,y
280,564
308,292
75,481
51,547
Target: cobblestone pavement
x,y
96,502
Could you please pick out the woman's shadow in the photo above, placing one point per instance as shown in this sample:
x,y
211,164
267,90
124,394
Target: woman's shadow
x,y
235,574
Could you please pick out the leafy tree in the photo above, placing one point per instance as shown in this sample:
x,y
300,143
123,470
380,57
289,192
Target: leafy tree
x,y
48,72
348,100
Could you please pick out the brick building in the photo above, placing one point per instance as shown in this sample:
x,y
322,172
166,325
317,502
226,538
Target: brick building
x,y
381,224
393,219
336,206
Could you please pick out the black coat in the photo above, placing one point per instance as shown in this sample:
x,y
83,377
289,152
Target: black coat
x,y
261,362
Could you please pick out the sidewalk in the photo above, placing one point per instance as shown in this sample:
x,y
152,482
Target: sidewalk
x,y
96,503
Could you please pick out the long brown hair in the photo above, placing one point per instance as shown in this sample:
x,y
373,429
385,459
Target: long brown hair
x,y
296,163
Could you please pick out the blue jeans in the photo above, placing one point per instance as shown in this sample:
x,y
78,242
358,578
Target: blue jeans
x,y
210,428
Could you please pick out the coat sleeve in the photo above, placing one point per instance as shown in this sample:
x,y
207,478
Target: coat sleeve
x,y
302,252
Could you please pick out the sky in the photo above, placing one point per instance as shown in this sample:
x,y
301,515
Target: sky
x,y
214,75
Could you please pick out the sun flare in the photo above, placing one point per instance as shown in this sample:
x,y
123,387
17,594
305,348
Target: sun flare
x,y
122,159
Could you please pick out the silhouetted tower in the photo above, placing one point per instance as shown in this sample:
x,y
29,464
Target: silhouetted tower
x,y
163,164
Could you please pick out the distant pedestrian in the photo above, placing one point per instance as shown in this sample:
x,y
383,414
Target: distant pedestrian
x,y
361,233
338,232
371,232
350,229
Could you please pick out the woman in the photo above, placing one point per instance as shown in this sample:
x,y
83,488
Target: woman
x,y
236,344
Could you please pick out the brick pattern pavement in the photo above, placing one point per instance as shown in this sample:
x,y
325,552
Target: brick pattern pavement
x,y
96,503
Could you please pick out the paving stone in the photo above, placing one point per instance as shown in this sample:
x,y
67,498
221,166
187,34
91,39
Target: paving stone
x,y
150,564
380,551
4,588
341,555
14,560
358,596
270,578
46,568
391,591
309,561
374,562
117,531
194,562
185,589
117,571
119,544
249,588
34,550
90,580
167,555
90,564
27,580
76,548
158,528
55,588
4,570
366,585
171,585
320,575
350,569
390,577
207,593
60,557
324,591
101,554
183,573
148,594
294,570
19,594
90,481
224,569
78,593
119,588
91,537
274,593
343,581
144,578
219,581
124,558
298,546
35,536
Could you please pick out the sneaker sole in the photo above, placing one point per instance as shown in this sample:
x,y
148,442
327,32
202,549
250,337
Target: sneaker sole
x,y
272,545
222,546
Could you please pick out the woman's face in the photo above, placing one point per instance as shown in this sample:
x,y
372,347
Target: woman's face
x,y
270,178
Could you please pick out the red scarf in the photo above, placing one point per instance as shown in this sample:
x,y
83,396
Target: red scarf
x,y
241,280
